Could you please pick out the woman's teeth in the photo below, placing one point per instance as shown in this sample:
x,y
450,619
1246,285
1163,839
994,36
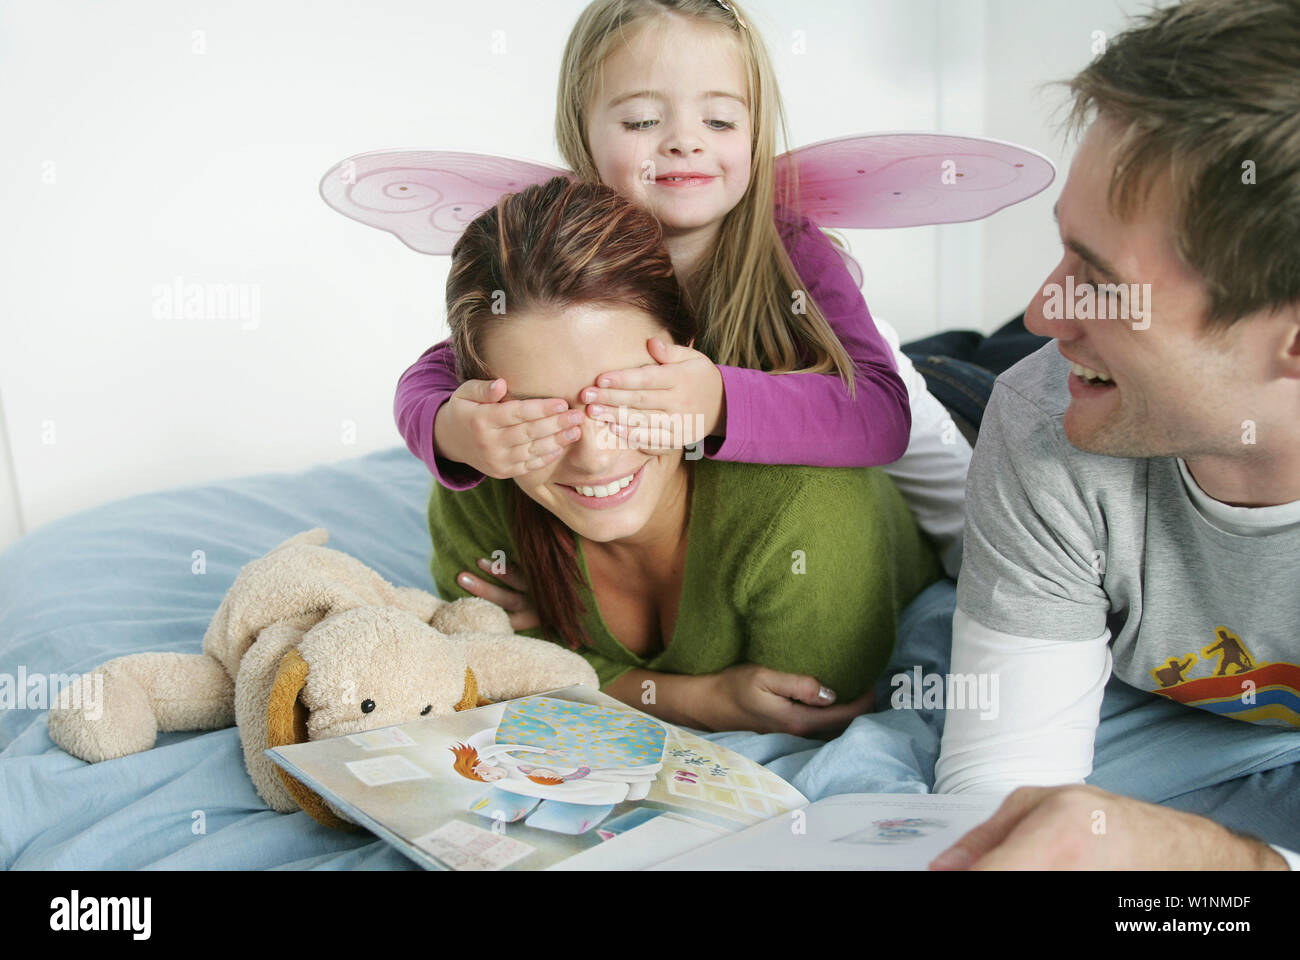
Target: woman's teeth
x,y
608,489
1087,373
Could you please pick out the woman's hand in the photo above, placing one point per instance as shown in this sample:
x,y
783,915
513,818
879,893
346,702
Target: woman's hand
x,y
677,400
516,602
750,697
503,438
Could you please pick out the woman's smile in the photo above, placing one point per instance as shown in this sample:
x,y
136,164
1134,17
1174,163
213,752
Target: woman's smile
x,y
610,493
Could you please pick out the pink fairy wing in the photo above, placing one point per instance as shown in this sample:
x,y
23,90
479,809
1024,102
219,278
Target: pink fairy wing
x,y
426,197
911,179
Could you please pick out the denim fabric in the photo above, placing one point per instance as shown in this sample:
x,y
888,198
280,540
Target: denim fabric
x,y
960,366
1000,350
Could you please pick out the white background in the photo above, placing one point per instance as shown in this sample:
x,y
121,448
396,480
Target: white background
x,y
131,159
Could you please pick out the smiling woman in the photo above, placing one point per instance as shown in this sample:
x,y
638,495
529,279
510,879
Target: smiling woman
x,y
733,589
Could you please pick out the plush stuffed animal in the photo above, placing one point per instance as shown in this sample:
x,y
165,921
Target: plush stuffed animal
x,y
309,643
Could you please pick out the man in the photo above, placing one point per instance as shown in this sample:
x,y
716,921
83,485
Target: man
x,y
1133,504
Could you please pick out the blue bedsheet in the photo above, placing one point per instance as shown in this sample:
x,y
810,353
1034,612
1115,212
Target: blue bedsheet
x,y
147,573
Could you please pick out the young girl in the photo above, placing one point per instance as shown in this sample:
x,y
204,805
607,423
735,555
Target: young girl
x,y
674,104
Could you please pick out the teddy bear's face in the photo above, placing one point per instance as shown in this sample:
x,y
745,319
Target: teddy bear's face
x,y
376,667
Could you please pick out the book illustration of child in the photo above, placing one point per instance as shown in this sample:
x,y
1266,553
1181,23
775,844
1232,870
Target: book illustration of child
x,y
561,750
573,735
544,775
472,765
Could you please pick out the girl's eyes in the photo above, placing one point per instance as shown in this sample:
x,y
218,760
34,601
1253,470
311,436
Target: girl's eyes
x,y
640,125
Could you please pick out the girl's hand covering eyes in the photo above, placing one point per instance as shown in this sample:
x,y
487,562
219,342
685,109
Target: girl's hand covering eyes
x,y
515,601
503,438
675,401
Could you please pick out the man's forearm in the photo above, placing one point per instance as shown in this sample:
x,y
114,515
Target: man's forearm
x,y
1222,848
1258,854
1086,827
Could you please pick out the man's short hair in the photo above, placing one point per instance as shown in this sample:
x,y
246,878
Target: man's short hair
x,y
1207,95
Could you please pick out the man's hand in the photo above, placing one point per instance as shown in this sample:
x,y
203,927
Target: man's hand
x,y
1083,827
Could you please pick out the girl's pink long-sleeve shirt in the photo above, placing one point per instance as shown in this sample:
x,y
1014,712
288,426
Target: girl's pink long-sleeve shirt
x,y
806,418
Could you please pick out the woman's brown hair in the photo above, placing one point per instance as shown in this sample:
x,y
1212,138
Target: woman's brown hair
x,y
548,247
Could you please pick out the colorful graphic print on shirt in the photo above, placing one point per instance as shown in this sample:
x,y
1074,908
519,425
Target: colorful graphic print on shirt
x,y
1234,685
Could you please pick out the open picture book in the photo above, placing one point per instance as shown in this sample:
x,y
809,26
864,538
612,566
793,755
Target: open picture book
x,y
573,779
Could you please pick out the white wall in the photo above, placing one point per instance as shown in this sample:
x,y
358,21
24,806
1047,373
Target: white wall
x,y
11,520
152,140
1030,44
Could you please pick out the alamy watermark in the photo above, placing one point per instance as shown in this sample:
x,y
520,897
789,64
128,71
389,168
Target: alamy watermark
x,y
1101,301
916,690
681,431
41,691
179,300
79,913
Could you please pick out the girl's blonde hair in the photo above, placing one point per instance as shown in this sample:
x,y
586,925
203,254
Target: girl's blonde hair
x,y
744,292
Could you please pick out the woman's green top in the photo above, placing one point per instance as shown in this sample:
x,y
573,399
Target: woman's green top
x,y
800,569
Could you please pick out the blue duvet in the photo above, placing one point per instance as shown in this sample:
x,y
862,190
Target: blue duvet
x,y
147,573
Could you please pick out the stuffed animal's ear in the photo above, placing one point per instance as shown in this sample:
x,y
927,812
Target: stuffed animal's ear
x,y
471,698
286,722
316,536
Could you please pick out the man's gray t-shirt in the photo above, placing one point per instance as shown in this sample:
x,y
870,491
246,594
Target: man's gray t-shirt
x,y
1063,544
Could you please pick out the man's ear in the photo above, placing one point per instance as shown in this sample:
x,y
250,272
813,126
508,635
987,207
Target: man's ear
x,y
1291,352
1294,350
